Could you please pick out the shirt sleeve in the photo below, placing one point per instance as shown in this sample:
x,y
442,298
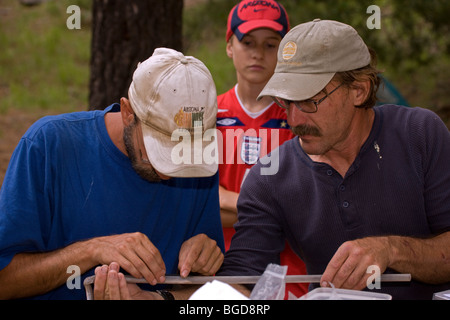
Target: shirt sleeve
x,y
259,237
430,141
24,206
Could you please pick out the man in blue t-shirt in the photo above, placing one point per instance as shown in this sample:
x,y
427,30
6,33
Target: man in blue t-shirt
x,y
133,186
360,187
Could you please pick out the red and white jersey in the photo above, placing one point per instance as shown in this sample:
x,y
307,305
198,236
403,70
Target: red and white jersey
x,y
246,137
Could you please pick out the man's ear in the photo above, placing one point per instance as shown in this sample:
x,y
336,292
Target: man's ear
x,y
126,111
361,92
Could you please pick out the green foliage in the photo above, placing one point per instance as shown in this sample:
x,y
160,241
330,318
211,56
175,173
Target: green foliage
x,y
204,29
44,65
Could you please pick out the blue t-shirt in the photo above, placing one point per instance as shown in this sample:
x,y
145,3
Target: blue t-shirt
x,y
67,182
399,184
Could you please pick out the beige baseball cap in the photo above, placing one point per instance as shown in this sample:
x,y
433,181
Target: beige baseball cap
x,y
175,99
311,54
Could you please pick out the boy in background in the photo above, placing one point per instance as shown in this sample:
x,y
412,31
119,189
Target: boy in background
x,y
250,128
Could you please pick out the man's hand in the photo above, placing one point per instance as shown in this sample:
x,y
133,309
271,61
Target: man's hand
x,y
200,254
135,253
110,284
348,267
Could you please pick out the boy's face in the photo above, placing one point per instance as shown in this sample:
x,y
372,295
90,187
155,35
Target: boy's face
x,y
255,56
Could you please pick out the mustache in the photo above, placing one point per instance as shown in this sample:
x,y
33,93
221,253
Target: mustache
x,y
306,130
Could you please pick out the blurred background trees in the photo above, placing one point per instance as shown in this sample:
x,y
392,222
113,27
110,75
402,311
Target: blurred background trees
x,y
125,32
43,65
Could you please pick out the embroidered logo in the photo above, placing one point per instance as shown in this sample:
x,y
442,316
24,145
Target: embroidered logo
x,y
250,149
226,122
289,50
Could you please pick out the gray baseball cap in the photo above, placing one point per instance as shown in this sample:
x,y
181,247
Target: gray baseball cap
x,y
310,55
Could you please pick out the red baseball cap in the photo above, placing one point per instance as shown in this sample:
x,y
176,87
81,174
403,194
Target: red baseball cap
x,y
249,15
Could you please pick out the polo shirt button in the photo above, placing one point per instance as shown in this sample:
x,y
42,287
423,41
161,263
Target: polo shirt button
x,y
342,188
345,204
329,172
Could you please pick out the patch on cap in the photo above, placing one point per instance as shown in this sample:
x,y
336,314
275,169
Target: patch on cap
x,y
289,50
189,118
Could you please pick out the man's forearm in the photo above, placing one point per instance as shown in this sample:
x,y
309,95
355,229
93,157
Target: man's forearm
x,y
228,207
228,199
427,260
30,274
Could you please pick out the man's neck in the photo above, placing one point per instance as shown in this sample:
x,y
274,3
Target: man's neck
x,y
114,127
342,155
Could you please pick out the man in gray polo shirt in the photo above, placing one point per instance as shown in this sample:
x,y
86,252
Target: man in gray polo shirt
x,y
359,185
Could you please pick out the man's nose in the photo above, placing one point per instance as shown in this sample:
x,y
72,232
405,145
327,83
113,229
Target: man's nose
x,y
295,116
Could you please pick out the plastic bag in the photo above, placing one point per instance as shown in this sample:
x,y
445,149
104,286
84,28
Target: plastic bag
x,y
271,285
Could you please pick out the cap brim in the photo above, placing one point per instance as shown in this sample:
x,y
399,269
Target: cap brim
x,y
295,86
169,157
249,26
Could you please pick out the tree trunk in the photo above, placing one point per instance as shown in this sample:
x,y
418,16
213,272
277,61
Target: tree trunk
x,y
125,32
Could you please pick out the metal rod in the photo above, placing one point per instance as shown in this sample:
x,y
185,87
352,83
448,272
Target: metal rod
x,y
239,280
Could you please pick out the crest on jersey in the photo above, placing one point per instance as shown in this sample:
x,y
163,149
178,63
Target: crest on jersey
x,y
250,149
